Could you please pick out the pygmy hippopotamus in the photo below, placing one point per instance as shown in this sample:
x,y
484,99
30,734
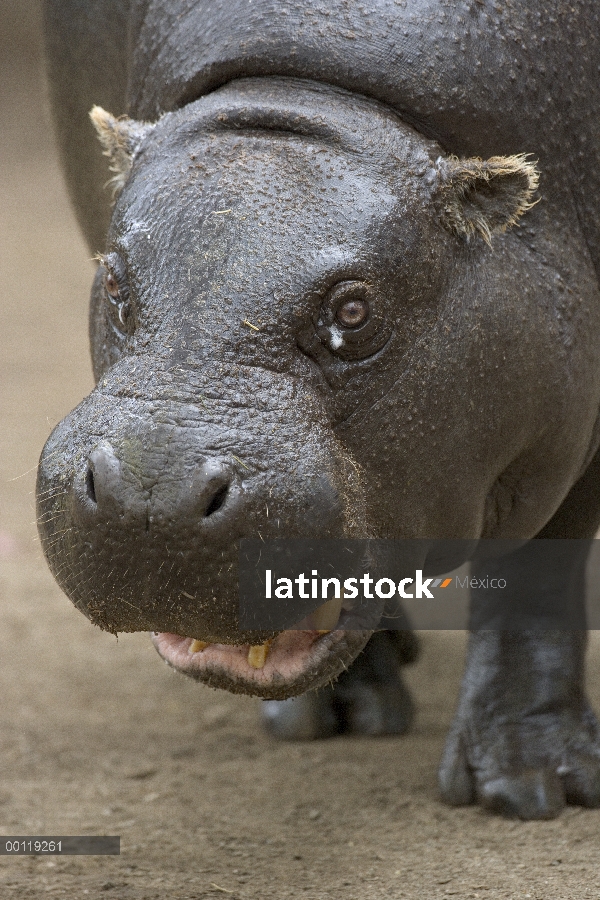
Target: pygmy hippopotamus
x,y
348,288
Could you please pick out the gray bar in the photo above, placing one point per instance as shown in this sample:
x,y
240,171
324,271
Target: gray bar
x,y
71,845
424,584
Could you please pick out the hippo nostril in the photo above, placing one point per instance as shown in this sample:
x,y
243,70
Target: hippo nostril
x,y
217,501
90,487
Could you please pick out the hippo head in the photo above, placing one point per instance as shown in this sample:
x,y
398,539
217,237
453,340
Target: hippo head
x,y
299,329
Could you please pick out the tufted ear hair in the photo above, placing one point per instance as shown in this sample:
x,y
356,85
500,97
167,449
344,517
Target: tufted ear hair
x,y
120,139
485,196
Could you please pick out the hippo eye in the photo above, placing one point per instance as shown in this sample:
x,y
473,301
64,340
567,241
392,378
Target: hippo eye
x,y
349,304
352,322
116,291
352,313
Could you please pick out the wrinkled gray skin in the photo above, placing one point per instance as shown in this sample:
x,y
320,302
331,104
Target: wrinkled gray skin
x,y
468,408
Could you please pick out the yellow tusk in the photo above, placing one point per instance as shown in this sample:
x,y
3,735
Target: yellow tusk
x,y
257,655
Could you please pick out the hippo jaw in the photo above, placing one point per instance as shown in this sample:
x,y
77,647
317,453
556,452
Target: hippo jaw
x,y
293,662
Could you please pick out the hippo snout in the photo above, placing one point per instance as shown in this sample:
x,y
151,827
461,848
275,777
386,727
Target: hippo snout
x,y
142,510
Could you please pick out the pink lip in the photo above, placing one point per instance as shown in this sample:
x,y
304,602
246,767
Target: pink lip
x,y
292,666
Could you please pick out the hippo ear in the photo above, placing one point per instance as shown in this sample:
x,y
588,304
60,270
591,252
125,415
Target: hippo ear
x,y
120,139
486,196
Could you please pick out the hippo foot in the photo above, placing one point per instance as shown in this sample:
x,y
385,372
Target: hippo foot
x,y
525,756
370,698
542,779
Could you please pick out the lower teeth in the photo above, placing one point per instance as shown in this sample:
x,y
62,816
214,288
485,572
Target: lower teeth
x,y
257,655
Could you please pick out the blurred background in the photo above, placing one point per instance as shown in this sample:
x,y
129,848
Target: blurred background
x,y
45,275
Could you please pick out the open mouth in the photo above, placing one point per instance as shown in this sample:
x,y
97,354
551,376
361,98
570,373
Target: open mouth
x,y
294,661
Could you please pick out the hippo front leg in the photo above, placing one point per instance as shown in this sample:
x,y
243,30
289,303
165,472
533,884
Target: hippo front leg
x,y
525,740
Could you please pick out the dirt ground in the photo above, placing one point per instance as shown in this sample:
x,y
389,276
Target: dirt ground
x,y
98,737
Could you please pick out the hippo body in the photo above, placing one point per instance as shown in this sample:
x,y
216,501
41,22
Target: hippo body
x,y
314,317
